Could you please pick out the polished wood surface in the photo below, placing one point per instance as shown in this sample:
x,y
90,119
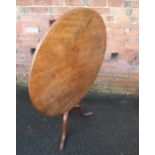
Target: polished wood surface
x,y
67,61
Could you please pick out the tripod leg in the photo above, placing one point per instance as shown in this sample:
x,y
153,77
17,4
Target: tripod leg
x,y
64,129
78,107
65,125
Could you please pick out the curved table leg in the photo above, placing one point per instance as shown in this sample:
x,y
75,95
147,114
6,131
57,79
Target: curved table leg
x,y
65,125
78,107
64,129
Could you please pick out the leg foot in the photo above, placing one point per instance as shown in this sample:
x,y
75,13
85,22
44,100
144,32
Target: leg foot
x,y
78,107
64,130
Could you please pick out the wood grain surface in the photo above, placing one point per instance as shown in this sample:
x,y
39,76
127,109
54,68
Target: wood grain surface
x,y
67,61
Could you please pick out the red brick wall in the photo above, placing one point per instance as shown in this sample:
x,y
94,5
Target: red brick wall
x,y
119,72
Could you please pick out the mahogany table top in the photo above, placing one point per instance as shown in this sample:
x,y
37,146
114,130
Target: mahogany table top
x,y
67,61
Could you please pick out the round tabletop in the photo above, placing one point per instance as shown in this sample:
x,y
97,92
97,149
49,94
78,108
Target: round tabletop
x,y
67,61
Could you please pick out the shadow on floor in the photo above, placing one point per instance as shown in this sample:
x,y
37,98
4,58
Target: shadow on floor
x,y
112,130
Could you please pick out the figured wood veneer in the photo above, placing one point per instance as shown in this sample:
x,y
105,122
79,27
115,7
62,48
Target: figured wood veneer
x,y
67,61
